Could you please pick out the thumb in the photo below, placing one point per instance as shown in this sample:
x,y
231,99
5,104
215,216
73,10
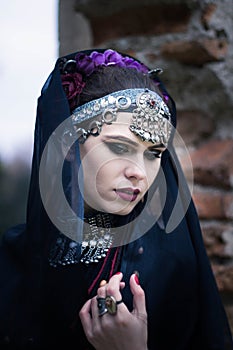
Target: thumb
x,y
139,302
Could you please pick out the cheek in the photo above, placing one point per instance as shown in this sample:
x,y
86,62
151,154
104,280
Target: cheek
x,y
90,168
152,171
98,174
105,173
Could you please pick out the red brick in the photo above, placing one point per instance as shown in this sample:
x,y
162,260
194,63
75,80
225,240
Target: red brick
x,y
213,164
224,277
209,205
139,20
207,14
218,240
190,120
195,52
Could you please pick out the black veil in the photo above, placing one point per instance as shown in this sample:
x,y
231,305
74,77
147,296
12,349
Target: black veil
x,y
25,248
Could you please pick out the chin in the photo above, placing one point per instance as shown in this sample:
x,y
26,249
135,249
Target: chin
x,y
121,211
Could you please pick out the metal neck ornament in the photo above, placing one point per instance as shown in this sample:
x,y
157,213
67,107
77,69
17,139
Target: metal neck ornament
x,y
97,240
151,118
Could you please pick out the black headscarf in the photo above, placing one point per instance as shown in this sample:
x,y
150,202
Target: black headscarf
x,y
39,304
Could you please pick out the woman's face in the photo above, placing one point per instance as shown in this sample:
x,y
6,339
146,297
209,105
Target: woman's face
x,y
118,167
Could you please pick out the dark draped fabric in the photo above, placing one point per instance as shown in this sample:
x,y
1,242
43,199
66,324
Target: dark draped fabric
x,y
39,304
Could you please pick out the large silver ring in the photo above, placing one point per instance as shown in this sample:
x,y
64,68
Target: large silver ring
x,y
111,304
101,304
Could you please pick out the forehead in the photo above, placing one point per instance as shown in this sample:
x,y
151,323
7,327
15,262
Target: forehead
x,y
119,128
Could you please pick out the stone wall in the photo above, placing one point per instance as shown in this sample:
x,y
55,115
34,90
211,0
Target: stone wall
x,y
193,42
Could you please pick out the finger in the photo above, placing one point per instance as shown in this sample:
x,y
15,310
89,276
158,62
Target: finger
x,y
122,285
85,317
101,291
139,301
94,310
98,306
114,299
114,285
104,283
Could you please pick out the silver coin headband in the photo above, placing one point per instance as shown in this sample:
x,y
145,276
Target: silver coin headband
x,y
151,118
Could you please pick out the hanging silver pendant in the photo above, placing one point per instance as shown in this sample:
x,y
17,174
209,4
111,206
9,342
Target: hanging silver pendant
x,y
97,241
100,242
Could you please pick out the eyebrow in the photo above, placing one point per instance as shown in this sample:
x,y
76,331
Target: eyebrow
x,y
133,143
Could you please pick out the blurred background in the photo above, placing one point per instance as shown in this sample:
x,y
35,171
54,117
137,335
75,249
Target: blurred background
x,y
191,40
29,48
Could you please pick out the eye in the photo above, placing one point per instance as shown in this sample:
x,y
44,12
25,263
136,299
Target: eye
x,y
152,154
117,148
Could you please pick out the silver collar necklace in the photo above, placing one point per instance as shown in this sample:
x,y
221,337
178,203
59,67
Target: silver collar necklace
x,y
97,240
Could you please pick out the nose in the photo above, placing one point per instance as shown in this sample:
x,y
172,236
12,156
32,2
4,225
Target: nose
x,y
135,171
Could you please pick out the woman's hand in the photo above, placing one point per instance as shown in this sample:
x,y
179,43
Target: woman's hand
x,y
122,331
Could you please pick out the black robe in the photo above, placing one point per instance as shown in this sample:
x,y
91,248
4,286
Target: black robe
x,y
39,304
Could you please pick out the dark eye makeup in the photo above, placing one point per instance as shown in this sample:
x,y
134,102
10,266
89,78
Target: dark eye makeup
x,y
117,148
121,148
152,154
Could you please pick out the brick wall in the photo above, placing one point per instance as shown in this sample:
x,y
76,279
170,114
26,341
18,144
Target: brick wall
x,y
192,41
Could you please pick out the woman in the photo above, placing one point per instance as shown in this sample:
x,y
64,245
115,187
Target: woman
x,y
111,255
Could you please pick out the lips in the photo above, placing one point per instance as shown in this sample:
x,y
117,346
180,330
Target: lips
x,y
128,194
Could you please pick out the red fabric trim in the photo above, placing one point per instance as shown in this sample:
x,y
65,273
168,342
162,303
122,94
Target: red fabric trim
x,y
98,276
113,262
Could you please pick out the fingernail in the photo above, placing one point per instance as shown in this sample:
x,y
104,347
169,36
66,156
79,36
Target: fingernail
x,y
136,279
117,273
103,283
